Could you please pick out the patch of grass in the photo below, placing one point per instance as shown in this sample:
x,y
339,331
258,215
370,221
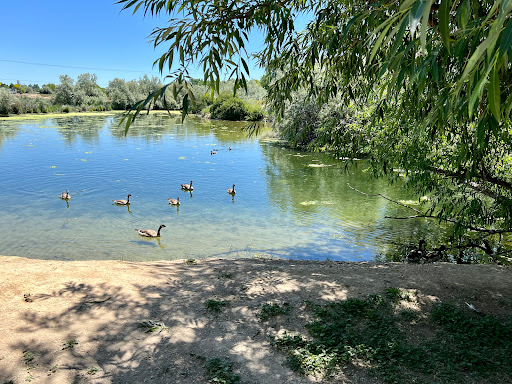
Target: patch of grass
x,y
54,368
450,345
190,261
153,326
220,371
29,378
216,306
28,357
225,275
69,344
92,371
272,310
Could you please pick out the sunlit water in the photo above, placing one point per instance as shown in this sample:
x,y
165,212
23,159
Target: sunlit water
x,y
288,204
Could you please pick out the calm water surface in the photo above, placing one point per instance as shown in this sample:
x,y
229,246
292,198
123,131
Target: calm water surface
x,y
288,204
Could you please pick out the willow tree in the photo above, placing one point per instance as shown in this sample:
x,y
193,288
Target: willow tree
x,y
439,72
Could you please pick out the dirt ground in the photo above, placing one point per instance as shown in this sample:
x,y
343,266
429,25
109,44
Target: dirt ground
x,y
80,322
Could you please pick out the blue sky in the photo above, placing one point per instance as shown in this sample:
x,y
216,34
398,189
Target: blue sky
x,y
42,40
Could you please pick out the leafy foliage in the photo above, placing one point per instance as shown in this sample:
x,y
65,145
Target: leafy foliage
x,y
269,310
233,108
215,306
220,371
400,346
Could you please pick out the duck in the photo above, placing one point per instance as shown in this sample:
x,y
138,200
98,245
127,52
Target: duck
x,y
187,187
417,254
174,201
65,195
232,191
230,148
435,255
213,152
123,202
150,232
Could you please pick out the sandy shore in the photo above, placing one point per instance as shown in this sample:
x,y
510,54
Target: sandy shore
x,y
64,322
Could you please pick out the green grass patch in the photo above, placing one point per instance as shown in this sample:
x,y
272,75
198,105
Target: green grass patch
x,y
216,306
272,310
220,371
69,344
446,345
153,326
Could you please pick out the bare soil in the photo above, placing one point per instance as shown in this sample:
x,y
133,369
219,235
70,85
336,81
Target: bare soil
x,y
83,321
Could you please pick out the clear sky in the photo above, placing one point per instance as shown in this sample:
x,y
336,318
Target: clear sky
x,y
42,40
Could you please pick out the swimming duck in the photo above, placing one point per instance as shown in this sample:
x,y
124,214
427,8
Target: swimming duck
x,y
187,187
232,191
122,202
65,195
174,201
150,232
213,152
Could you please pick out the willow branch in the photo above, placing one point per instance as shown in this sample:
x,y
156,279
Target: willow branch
x,y
388,199
422,215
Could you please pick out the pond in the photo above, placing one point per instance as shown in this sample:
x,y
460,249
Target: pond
x,y
288,204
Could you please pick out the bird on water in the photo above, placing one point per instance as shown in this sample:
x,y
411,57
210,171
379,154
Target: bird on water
x,y
150,232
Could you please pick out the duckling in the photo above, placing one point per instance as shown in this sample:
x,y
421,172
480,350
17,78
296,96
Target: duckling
x,y
213,153
65,195
187,187
174,201
232,191
122,202
150,232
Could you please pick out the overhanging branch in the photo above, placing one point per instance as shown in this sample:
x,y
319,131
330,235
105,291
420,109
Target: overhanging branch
x,y
424,216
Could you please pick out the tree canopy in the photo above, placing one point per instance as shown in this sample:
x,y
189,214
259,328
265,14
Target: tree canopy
x,y
438,73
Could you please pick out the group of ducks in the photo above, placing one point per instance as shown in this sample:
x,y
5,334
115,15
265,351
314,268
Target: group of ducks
x,y
150,232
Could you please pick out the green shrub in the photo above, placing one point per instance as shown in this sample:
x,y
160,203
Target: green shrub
x,y
254,113
229,108
6,99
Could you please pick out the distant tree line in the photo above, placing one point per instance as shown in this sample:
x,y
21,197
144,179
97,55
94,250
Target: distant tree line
x,y
85,94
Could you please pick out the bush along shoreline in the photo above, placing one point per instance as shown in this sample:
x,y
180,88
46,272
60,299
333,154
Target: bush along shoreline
x,y
85,95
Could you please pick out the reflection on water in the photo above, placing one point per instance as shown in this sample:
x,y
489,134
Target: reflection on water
x,y
288,204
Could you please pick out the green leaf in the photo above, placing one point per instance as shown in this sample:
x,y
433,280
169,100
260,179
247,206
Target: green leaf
x,y
406,4
378,44
444,20
424,23
476,94
479,51
246,67
184,112
493,94
415,16
506,38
